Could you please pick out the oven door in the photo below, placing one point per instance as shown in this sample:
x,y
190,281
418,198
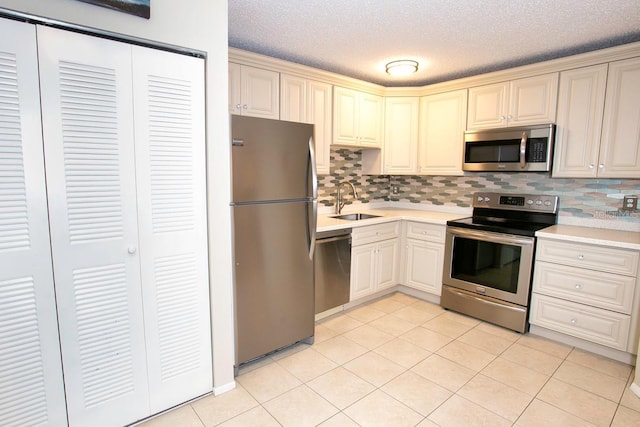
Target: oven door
x,y
487,263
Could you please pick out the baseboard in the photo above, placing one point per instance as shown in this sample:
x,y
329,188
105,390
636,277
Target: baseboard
x,y
635,388
224,388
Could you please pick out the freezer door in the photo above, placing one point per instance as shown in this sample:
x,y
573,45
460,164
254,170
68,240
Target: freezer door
x,y
271,159
274,282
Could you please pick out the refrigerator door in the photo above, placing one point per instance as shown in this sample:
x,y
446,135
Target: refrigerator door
x,y
274,291
271,160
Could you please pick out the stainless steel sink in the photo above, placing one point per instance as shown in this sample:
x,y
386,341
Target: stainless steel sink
x,y
355,216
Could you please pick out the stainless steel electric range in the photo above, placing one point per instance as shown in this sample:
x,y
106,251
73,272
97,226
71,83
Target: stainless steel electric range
x,y
489,257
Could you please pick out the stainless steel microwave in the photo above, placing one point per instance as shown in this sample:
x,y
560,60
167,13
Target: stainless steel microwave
x,y
516,149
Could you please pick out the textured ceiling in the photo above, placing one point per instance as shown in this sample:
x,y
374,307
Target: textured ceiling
x,y
449,38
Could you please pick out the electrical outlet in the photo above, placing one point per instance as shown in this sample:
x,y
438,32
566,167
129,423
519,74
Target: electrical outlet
x,y
394,189
630,203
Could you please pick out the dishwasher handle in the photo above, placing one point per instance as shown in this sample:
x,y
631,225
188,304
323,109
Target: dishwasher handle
x,y
321,240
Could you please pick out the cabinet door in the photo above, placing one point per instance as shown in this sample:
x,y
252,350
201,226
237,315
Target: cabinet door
x,y
620,146
293,99
87,118
235,98
387,261
442,125
319,109
370,119
308,101
362,270
401,135
260,92
32,391
579,124
488,106
424,265
170,174
345,103
533,100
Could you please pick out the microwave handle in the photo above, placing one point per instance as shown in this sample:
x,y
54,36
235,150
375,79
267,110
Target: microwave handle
x,y
523,150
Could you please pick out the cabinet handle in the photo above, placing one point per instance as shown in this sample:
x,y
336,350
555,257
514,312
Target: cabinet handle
x,y
574,321
580,257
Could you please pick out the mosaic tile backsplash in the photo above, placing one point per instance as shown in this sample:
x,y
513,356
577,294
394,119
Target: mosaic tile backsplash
x,y
582,198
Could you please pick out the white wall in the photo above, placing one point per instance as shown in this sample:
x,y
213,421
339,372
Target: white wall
x,y
200,25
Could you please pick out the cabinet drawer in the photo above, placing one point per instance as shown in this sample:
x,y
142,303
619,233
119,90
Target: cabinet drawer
x,y
593,257
423,231
589,323
375,233
603,290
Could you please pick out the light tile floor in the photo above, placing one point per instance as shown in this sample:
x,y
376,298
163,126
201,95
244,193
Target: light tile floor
x,y
400,361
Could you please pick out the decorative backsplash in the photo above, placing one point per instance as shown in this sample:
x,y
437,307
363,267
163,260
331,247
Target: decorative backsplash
x,y
581,198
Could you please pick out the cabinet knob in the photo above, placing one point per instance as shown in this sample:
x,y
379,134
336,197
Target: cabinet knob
x,y
591,166
238,106
601,166
131,250
502,117
580,257
245,106
574,321
578,286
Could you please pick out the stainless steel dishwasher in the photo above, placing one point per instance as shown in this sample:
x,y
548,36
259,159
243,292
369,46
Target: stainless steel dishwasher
x,y
332,269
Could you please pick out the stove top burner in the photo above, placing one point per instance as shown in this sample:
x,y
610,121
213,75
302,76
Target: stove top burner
x,y
519,214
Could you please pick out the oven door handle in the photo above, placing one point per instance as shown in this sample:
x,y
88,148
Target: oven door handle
x,y
523,150
491,237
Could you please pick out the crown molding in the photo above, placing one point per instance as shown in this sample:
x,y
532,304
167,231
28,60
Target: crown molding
x,y
601,56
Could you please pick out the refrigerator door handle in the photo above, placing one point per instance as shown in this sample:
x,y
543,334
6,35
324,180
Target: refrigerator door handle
x,y
314,203
314,172
312,230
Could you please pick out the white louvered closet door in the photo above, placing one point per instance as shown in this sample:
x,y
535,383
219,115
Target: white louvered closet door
x,y
170,170
31,389
88,131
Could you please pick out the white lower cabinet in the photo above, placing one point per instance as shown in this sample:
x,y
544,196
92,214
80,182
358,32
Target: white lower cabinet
x,y
375,256
586,291
123,207
424,256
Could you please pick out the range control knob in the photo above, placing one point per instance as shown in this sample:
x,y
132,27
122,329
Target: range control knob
x,y
529,202
486,199
538,202
547,203
480,198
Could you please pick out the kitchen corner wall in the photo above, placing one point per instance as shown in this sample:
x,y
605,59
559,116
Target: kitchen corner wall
x,y
579,198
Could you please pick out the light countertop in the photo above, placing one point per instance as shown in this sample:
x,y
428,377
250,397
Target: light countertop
x,y
327,223
596,236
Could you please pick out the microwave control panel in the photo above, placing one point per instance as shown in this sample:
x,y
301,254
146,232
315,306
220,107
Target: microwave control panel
x,y
520,202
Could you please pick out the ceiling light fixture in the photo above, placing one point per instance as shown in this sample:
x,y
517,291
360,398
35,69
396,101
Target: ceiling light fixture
x,y
402,67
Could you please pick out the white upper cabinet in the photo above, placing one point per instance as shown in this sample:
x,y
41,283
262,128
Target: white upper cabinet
x,y
579,124
254,92
598,122
526,101
620,146
31,387
309,101
357,118
401,135
442,125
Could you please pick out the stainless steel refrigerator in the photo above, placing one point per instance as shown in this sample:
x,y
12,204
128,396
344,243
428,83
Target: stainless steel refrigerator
x,y
274,190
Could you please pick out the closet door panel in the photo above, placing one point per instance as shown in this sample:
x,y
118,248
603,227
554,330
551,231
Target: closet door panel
x,y
170,169
89,153
31,388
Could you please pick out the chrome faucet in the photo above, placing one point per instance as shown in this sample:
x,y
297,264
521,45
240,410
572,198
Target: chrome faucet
x,y
339,202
